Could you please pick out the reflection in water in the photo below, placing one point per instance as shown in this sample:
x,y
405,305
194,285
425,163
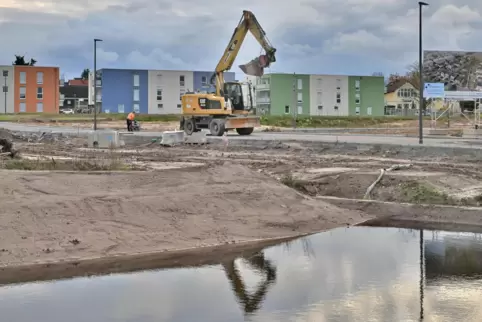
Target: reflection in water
x,y
453,255
422,273
356,274
251,302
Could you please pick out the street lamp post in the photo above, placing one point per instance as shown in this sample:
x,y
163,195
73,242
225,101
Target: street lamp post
x,y
5,88
420,67
95,82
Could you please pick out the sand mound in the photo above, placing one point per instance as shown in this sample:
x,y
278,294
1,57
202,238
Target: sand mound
x,y
52,216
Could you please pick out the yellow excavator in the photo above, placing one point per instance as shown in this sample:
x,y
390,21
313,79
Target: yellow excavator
x,y
225,110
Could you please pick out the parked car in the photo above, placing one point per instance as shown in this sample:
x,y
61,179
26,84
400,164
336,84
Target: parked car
x,y
67,111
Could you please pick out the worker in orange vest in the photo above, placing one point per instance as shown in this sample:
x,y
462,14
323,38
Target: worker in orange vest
x,y
130,118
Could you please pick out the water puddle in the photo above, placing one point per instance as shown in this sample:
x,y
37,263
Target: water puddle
x,y
355,274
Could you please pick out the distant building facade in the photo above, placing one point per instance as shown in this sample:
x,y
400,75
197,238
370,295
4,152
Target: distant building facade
x,y
30,89
320,95
147,91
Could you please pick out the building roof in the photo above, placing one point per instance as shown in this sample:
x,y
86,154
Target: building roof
x,y
78,82
393,86
74,91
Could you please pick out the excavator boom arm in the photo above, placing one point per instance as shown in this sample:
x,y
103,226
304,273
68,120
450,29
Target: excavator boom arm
x,y
248,22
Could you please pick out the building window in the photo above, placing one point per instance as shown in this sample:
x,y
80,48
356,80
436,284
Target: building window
x,y
357,85
406,92
399,106
136,108
178,105
137,81
320,107
40,77
159,94
287,109
300,97
319,98
320,82
181,94
23,93
181,81
338,98
204,80
23,78
160,105
23,107
300,84
136,95
120,108
357,98
40,93
40,107
338,84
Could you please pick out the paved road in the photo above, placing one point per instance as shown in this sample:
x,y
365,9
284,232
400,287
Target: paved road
x,y
316,137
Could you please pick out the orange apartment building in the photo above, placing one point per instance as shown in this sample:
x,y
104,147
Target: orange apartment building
x,y
36,89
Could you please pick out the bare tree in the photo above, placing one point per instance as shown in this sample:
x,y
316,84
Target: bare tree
x,y
20,61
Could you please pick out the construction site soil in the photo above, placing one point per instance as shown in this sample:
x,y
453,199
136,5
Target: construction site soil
x,y
192,196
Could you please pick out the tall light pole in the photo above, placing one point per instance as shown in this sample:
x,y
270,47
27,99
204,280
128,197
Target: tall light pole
x,y
5,88
420,67
95,82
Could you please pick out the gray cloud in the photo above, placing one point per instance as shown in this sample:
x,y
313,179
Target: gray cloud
x,y
318,36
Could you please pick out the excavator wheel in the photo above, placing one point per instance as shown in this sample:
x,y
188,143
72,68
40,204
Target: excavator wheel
x,y
189,126
216,127
245,130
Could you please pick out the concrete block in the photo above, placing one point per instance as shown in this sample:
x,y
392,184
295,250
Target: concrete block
x,y
472,133
171,138
196,138
104,139
436,131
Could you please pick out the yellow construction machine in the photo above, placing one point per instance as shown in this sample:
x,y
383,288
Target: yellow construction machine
x,y
225,110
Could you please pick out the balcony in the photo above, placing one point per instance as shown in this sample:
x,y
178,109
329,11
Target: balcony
x,y
263,100
262,87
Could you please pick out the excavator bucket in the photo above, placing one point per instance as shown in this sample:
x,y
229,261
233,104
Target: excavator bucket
x,y
256,66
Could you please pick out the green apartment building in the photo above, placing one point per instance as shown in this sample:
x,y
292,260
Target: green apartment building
x,y
283,94
320,95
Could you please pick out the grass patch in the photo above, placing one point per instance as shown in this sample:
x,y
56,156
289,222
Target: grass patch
x,y
290,181
49,118
269,120
424,193
331,121
67,165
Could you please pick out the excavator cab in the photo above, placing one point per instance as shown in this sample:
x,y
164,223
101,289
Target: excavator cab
x,y
234,92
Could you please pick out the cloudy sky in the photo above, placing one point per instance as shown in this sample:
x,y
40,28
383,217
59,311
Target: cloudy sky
x,y
312,36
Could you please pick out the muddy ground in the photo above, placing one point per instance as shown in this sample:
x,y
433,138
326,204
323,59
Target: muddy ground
x,y
154,198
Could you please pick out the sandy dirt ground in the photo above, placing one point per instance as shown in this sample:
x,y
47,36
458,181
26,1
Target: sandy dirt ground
x,y
58,216
192,196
